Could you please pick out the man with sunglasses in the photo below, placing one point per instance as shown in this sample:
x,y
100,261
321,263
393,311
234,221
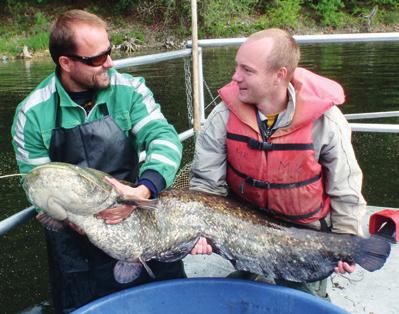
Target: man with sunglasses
x,y
88,114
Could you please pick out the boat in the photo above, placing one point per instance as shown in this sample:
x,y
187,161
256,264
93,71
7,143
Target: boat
x,y
359,292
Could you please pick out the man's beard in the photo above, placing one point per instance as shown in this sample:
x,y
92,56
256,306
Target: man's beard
x,y
97,81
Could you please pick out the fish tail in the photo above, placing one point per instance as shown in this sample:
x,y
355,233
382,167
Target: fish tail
x,y
372,253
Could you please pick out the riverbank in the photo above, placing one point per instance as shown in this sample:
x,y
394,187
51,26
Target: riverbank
x,y
149,25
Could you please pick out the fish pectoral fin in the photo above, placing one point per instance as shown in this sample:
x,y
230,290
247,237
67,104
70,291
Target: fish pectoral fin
x,y
48,222
178,252
221,250
140,203
125,272
147,268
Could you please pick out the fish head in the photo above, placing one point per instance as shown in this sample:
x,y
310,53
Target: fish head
x,y
60,188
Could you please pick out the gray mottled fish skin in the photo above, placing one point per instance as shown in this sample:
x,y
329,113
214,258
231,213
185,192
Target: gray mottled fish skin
x,y
168,232
56,187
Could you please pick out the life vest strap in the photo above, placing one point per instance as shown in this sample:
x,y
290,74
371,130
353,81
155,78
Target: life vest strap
x,y
266,146
268,185
274,213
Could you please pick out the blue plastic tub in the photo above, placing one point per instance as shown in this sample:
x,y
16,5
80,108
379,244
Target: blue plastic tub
x,y
210,295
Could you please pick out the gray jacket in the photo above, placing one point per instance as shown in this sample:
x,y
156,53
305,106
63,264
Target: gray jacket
x,y
333,149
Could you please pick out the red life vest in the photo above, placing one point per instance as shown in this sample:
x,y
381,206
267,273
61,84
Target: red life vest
x,y
280,176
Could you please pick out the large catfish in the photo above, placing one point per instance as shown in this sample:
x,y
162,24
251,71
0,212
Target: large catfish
x,y
168,229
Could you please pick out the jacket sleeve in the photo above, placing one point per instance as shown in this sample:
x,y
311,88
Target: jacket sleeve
x,y
342,174
208,171
30,149
154,135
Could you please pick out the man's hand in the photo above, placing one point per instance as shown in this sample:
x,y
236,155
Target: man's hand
x,y
74,227
344,267
119,213
201,247
116,214
127,192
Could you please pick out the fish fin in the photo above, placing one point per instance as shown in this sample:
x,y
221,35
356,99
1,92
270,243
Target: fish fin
x,y
312,268
178,252
147,268
147,206
140,203
221,250
372,253
48,222
125,272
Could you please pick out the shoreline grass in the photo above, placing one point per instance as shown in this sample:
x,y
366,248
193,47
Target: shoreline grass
x,y
29,25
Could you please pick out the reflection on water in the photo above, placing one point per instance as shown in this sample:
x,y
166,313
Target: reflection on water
x,y
368,72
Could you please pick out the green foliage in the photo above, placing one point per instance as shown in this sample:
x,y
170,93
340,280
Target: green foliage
x,y
224,17
8,46
26,22
388,3
118,38
41,22
26,27
388,17
14,45
177,13
123,5
285,13
137,34
329,12
36,42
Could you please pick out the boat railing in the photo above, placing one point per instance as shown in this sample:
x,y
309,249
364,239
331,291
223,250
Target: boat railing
x,y
25,214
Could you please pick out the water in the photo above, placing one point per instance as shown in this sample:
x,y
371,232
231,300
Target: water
x,y
368,72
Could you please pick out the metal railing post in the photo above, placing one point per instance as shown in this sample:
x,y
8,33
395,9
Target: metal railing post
x,y
201,86
16,219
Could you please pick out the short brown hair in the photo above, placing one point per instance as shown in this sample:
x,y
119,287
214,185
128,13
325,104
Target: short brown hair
x,y
62,41
285,51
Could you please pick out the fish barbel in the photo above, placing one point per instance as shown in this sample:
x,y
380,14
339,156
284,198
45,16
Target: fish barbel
x,y
167,229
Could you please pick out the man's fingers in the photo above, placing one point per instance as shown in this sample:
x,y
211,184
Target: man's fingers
x,y
201,247
206,248
197,247
344,267
75,227
349,268
115,183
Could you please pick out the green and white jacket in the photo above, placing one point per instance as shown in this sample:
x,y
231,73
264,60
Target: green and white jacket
x,y
131,105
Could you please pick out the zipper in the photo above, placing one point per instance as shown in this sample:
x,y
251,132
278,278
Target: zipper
x,y
91,110
84,112
268,133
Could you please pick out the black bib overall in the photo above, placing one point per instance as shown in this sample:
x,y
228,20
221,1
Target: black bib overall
x,y
80,272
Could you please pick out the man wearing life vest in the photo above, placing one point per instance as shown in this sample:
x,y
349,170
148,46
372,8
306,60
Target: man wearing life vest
x,y
279,141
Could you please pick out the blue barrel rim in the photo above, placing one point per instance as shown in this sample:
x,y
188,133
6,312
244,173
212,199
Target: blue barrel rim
x,y
192,282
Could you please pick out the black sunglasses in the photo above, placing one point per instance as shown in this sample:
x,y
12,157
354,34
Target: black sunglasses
x,y
93,61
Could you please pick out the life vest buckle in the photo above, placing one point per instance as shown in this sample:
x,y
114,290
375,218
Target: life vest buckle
x,y
266,146
257,183
250,181
254,144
